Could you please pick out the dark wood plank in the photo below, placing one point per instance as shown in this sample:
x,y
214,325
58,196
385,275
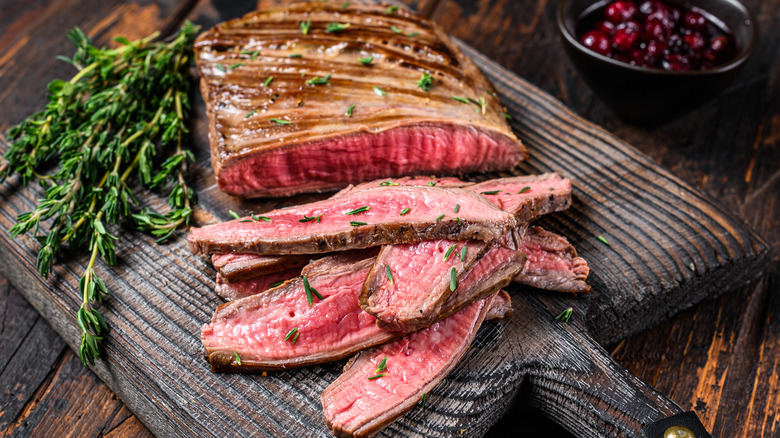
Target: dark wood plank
x,y
204,216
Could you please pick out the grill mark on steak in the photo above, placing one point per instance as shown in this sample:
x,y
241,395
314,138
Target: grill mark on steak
x,y
552,263
286,234
405,132
355,406
410,302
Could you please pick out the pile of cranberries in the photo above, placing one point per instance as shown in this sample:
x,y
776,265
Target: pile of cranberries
x,y
657,35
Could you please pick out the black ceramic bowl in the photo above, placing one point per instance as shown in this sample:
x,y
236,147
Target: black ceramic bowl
x,y
650,96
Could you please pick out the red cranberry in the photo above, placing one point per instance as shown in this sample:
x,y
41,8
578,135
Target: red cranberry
x,y
655,30
719,44
605,26
626,36
676,62
648,6
655,49
666,15
694,21
640,58
596,41
620,11
695,41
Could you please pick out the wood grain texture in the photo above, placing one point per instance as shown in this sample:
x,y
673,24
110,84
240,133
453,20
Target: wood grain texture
x,y
221,203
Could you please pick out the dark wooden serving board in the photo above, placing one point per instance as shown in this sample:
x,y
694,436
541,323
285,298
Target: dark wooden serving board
x,y
671,246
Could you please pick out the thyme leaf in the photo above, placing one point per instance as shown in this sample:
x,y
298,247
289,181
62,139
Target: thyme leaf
x,y
305,25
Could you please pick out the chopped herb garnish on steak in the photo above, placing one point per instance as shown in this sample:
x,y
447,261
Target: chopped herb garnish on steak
x,y
463,254
413,34
220,67
305,25
382,366
357,224
253,54
524,189
449,251
460,99
603,239
236,65
308,218
291,333
440,218
261,218
295,339
344,5
431,183
268,81
358,210
404,211
565,316
349,110
422,402
425,82
453,280
234,214
458,219
377,376
396,30
238,359
389,273
281,121
483,105
379,92
391,9
457,208
295,55
389,183
336,27
250,114
310,292
276,283
366,61
551,189
506,116
318,80
492,192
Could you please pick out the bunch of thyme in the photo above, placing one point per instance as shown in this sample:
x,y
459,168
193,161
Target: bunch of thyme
x,y
99,131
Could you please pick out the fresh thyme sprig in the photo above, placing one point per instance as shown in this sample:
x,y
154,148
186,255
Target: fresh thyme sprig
x,y
100,128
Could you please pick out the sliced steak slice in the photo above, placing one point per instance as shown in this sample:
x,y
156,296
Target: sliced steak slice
x,y
552,263
253,286
237,267
327,226
255,328
233,268
501,307
294,135
380,384
425,279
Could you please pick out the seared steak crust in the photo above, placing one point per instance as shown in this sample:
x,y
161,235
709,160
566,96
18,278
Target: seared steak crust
x,y
327,226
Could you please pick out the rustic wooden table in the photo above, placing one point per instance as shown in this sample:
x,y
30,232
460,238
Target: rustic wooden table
x,y
720,358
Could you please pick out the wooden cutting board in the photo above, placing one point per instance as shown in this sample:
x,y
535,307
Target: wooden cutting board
x,y
670,247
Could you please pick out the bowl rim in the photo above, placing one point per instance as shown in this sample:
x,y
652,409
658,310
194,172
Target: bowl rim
x,y
743,56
